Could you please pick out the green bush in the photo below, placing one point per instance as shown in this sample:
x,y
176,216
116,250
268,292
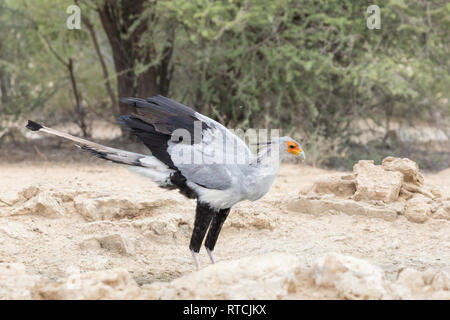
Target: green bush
x,y
311,68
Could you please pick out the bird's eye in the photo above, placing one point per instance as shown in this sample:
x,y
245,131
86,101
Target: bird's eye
x,y
292,146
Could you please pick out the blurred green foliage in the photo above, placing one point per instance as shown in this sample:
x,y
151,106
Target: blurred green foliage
x,y
312,68
310,64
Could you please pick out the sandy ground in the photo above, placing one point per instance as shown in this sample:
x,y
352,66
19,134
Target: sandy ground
x,y
53,247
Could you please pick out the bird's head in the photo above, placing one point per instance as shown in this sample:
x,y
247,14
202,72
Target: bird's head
x,y
287,144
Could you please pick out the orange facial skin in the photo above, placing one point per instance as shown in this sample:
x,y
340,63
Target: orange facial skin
x,y
293,148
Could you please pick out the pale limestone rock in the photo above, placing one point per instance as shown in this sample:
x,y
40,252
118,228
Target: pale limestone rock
x,y
407,167
251,217
268,276
68,194
43,204
15,283
396,187
90,244
412,188
441,281
375,183
28,193
114,242
418,209
24,195
436,193
103,208
408,284
329,205
442,211
412,278
161,227
95,285
338,185
167,225
113,207
414,284
405,194
413,181
117,243
352,278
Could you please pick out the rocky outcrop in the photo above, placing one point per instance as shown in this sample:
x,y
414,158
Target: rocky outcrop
x,y
408,168
269,276
95,285
352,278
15,283
328,205
442,210
374,183
414,284
90,205
42,204
114,207
171,224
418,208
114,242
383,191
338,185
251,217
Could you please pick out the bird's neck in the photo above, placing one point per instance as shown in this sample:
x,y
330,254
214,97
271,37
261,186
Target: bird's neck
x,y
269,160
265,167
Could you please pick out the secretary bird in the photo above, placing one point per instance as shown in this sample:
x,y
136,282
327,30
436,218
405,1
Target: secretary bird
x,y
196,155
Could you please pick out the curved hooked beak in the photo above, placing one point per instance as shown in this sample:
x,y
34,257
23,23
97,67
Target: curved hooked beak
x,y
301,154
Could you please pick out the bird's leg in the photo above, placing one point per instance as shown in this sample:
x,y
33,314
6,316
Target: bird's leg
x,y
214,230
196,260
211,256
203,216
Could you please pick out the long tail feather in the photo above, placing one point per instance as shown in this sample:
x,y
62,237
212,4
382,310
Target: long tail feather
x,y
104,152
146,165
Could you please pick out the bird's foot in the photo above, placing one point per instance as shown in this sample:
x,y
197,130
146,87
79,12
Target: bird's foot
x,y
196,260
211,255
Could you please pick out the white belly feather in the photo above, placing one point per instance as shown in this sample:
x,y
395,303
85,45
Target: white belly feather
x,y
218,199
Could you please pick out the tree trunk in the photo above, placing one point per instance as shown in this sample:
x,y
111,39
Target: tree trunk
x,y
117,17
3,84
3,88
108,86
78,109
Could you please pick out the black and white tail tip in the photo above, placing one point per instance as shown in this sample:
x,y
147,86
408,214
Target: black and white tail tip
x,y
34,126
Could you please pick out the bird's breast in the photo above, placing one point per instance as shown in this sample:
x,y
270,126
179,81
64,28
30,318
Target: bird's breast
x,y
257,187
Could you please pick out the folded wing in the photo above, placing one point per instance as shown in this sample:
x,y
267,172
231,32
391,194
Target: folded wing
x,y
203,150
